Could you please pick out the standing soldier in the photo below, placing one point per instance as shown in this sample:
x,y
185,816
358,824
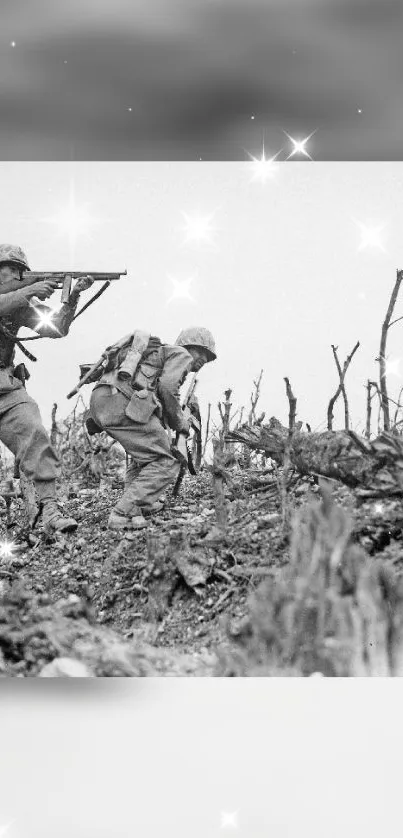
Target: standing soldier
x,y
21,428
135,401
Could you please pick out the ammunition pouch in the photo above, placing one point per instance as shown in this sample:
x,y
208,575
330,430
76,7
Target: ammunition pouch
x,y
141,406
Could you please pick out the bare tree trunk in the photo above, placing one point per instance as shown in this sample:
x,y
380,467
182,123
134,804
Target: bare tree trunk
x,y
287,455
254,399
382,351
219,480
29,496
53,429
207,431
341,387
369,408
225,414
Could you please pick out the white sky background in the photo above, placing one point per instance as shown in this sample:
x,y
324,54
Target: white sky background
x,y
281,280
167,757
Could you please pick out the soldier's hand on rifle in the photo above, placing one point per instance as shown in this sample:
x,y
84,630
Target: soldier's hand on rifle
x,y
42,290
83,284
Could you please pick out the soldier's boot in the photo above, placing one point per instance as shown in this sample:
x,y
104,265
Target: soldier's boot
x,y
154,508
54,521
119,521
138,520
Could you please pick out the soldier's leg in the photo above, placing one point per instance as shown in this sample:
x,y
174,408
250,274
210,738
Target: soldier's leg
x,y
22,431
148,444
132,471
158,470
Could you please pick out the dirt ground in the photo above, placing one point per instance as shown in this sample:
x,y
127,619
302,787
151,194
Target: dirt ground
x,y
175,592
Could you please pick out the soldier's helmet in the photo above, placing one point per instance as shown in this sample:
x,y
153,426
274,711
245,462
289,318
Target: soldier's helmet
x,y
198,336
13,253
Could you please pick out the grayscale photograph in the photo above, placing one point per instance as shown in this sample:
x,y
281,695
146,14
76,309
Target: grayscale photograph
x,y
201,419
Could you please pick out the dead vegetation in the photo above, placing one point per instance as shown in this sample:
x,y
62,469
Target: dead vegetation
x,y
281,557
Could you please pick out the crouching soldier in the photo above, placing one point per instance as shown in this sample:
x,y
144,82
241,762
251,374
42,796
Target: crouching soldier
x,y
135,401
21,428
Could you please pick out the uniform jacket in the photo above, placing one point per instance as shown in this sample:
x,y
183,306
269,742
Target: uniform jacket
x,y
16,311
157,382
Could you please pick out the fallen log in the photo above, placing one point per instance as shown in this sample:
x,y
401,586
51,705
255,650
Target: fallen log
x,y
374,468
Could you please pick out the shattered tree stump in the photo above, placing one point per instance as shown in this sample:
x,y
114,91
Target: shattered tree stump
x,y
162,576
332,610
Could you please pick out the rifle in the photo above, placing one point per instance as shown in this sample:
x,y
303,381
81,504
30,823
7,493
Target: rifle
x,y
64,279
180,448
88,372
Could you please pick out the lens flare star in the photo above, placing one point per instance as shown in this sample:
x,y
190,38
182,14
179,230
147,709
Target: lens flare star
x,y
45,318
264,167
299,146
371,237
181,289
198,228
229,820
6,552
73,221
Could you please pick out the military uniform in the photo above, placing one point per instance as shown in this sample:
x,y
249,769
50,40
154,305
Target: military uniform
x,y
137,415
21,428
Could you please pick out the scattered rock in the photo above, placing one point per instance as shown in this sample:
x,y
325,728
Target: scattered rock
x,y
65,668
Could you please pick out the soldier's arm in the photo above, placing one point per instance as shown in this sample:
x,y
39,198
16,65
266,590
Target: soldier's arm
x,y
58,324
14,301
177,365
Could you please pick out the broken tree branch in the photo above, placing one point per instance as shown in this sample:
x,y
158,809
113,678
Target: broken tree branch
x,y
341,387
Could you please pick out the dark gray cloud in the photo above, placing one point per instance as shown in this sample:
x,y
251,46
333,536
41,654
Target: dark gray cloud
x,y
168,81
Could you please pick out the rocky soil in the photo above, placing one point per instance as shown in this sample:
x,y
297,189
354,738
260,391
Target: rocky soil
x,y
171,599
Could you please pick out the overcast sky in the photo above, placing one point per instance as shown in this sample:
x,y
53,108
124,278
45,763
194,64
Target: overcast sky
x,y
282,273
182,80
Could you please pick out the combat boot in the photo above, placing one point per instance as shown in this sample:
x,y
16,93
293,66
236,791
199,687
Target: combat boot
x,y
138,520
119,521
54,521
153,509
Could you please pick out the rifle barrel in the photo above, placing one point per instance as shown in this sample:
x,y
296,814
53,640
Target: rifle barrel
x,y
39,276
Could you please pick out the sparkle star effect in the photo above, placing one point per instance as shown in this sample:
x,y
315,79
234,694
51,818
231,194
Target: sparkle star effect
x,y
229,820
198,228
299,146
181,289
73,221
378,509
371,237
45,318
6,552
264,167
